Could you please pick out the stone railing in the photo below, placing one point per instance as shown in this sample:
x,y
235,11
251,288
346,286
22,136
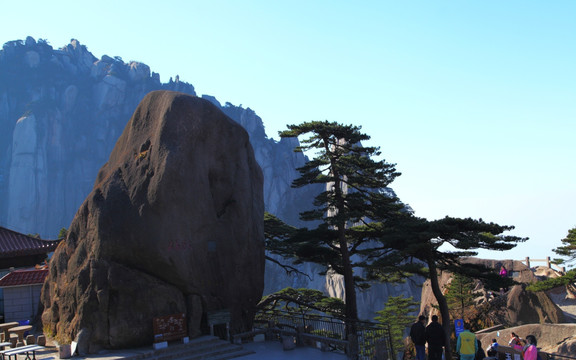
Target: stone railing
x,y
548,262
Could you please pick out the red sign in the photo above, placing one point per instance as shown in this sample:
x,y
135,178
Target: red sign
x,y
171,327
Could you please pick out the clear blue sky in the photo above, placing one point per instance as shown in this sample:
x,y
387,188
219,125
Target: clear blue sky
x,y
475,101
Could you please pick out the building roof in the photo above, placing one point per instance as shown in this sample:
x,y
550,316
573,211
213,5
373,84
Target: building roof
x,y
24,277
14,244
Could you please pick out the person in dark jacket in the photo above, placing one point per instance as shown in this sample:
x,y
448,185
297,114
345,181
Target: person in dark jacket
x,y
480,354
435,337
418,336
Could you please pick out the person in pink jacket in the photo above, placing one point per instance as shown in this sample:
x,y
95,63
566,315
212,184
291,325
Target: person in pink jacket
x,y
530,350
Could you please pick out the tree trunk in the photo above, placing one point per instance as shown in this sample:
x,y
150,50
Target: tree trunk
x,y
351,309
442,305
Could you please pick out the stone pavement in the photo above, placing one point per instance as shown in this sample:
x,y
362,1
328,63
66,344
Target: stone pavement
x,y
261,350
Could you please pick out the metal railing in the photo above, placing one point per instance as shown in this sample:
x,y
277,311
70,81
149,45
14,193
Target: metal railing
x,y
374,340
511,353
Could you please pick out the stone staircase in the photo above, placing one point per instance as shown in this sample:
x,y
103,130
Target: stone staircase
x,y
204,348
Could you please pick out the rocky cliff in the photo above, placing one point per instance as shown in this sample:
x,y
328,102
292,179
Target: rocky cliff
x,y
61,113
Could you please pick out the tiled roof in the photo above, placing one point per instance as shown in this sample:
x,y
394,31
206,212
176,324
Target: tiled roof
x,y
24,277
15,244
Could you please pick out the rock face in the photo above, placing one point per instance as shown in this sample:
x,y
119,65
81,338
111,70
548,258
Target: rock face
x,y
72,108
516,307
173,224
559,339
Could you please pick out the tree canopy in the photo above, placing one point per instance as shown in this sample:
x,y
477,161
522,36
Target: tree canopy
x,y
362,225
568,250
440,245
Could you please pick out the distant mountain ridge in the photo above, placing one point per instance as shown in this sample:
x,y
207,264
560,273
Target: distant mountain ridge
x,y
61,112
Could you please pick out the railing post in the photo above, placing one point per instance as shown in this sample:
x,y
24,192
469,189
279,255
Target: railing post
x,y
380,350
269,334
352,350
299,331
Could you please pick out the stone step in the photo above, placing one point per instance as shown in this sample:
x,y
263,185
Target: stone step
x,y
205,348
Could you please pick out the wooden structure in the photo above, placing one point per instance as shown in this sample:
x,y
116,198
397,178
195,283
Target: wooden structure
x,y
219,317
19,250
21,293
22,251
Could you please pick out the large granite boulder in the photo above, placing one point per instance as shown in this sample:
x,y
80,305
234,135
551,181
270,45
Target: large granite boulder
x,y
174,224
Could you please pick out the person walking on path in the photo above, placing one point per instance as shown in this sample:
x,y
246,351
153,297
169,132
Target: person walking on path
x,y
466,345
435,338
418,336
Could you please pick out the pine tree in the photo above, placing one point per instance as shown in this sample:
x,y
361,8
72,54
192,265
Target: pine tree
x,y
355,192
568,250
396,315
460,295
422,240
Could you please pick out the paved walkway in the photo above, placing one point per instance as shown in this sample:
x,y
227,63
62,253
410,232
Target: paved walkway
x,y
273,350
263,350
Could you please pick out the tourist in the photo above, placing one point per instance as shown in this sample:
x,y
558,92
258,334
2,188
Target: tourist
x,y
435,337
515,341
530,350
466,345
418,336
504,274
503,271
492,350
480,354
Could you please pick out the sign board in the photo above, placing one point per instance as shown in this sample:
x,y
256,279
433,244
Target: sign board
x,y
459,326
73,347
171,327
219,317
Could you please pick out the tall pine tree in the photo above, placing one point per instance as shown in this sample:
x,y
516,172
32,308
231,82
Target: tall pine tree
x,y
355,192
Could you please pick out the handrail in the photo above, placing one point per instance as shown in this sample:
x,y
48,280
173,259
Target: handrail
x,y
331,332
544,355
549,263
